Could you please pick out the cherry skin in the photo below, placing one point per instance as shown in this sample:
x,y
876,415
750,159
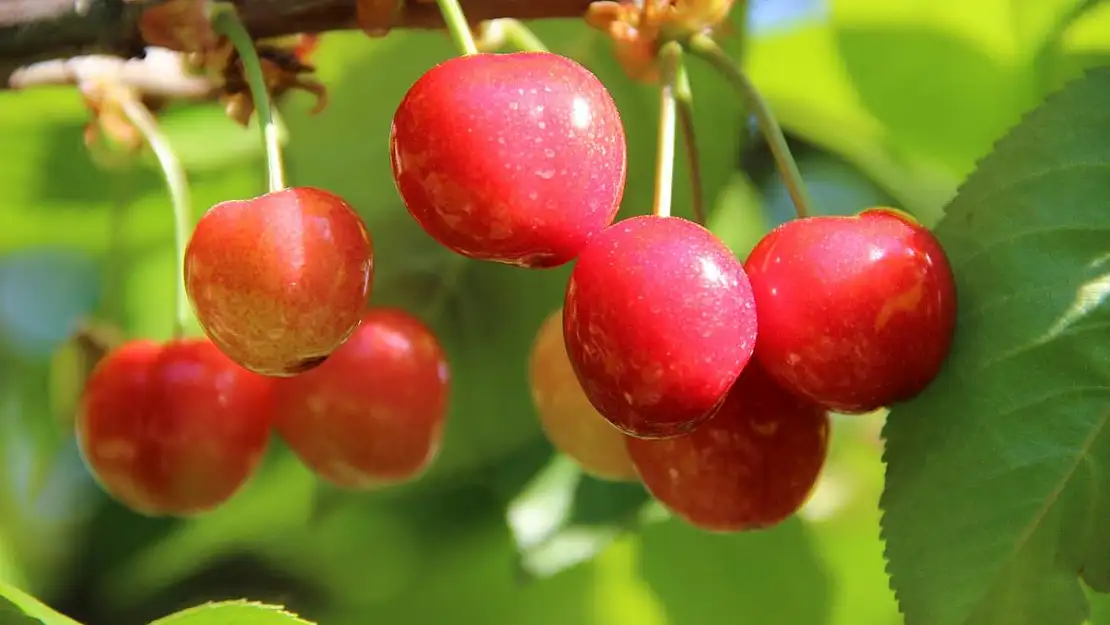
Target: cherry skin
x,y
279,281
173,429
516,158
750,466
571,423
373,414
658,321
855,312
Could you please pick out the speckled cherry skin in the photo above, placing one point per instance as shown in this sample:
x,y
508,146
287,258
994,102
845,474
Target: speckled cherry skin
x,y
568,419
279,281
516,158
173,429
373,414
750,466
855,312
658,322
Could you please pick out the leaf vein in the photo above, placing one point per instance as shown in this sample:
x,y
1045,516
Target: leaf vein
x,y
1081,455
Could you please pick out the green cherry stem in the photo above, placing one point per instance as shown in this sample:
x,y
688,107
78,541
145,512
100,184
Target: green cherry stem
x,y
703,47
520,36
457,26
664,156
178,186
684,99
226,22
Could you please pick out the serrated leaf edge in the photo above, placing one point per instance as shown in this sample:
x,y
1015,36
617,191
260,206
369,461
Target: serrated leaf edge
x,y
1001,143
247,603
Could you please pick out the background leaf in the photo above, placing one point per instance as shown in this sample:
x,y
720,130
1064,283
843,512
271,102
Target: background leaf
x,y
997,479
14,601
10,614
564,517
783,579
233,613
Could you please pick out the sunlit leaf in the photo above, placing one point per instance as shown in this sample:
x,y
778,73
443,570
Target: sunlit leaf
x,y
565,517
233,613
17,604
997,478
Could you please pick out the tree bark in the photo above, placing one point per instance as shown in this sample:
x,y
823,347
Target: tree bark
x,y
36,30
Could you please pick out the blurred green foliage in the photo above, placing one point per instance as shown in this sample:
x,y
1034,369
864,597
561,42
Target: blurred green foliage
x,y
887,102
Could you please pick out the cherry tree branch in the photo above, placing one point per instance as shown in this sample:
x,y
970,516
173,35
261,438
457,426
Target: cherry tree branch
x,y
39,30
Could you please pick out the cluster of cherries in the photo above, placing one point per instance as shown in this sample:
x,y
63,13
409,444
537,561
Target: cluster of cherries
x,y
670,362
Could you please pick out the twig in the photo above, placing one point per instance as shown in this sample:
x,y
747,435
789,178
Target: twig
x,y
38,30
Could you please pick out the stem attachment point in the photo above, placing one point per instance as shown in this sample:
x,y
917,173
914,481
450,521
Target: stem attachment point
x,y
457,26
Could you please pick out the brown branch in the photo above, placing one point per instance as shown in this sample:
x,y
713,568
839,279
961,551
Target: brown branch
x,y
38,30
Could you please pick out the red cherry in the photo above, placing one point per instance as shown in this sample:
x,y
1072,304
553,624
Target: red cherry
x,y
571,423
173,429
516,158
856,312
373,414
659,322
750,466
279,281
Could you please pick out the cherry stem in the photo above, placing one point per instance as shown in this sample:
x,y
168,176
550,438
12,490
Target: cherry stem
x,y
178,186
684,98
519,36
226,22
706,49
664,161
457,26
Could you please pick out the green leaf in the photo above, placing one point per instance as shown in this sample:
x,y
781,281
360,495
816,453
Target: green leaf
x,y
10,614
565,517
20,605
233,613
958,90
770,576
997,475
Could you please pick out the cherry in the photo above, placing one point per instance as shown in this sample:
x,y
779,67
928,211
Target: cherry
x,y
516,158
279,281
373,414
173,429
571,423
750,466
855,312
659,321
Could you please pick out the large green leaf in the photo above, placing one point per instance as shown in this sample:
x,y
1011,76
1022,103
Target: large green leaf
x,y
996,496
232,613
19,608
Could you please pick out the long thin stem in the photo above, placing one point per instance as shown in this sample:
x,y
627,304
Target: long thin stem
x,y
225,21
705,48
178,186
519,36
457,26
684,98
664,156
